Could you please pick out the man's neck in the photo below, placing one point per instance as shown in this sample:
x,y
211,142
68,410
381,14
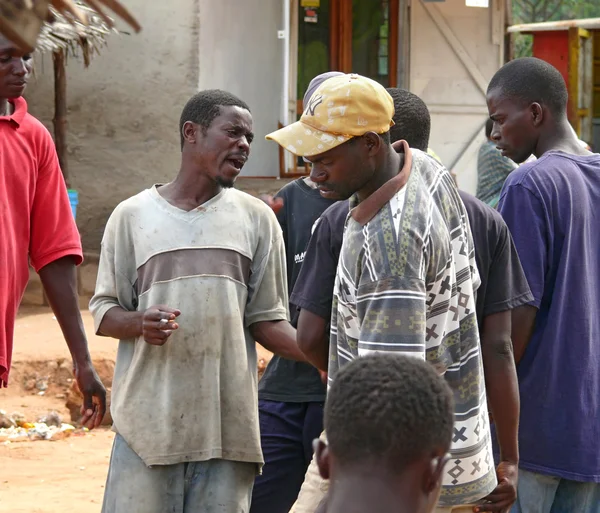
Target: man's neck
x,y
189,190
560,138
391,166
358,494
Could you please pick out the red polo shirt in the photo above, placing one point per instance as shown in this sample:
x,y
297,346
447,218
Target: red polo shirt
x,y
36,222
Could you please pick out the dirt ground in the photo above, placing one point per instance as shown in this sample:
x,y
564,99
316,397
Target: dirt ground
x,y
42,476
65,475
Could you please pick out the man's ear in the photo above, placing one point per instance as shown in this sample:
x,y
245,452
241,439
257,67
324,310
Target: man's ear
x,y
190,132
537,114
373,143
434,472
322,456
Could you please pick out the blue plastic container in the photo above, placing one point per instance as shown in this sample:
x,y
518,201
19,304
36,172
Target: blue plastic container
x,y
74,200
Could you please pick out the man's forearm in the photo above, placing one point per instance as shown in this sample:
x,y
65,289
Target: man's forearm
x,y
279,337
59,279
523,324
503,393
316,354
313,339
121,324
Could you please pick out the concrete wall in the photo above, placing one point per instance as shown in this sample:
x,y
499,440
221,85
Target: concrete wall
x,y
124,109
240,52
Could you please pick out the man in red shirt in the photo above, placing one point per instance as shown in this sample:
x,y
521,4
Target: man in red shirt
x,y
36,224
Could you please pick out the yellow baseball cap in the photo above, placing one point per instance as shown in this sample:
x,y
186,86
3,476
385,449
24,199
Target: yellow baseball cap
x,y
341,108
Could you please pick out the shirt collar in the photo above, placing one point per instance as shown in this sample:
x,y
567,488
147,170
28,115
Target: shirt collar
x,y
20,111
363,212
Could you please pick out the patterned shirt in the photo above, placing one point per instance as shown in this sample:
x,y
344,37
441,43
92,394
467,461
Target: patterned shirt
x,y
492,171
405,285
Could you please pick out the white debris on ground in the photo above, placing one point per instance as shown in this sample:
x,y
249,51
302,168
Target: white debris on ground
x,y
13,428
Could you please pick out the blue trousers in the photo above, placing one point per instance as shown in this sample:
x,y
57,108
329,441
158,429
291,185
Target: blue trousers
x,y
539,493
213,486
287,431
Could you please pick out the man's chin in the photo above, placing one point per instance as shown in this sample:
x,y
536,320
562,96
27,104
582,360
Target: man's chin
x,y
519,159
13,93
226,183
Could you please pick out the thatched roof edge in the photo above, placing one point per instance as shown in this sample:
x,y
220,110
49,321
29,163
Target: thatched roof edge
x,y
74,37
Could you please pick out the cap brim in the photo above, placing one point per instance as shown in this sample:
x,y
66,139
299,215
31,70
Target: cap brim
x,y
305,141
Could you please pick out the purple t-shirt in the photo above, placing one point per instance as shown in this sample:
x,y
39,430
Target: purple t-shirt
x,y
552,207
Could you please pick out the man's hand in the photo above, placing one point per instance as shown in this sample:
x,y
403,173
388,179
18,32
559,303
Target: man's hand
x,y
158,323
94,395
276,204
505,494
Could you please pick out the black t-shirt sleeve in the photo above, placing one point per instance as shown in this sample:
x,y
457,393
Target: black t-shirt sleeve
x,y
313,290
507,286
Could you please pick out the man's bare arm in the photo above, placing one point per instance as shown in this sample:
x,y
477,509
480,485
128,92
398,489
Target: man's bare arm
x,y
155,324
279,337
313,339
523,324
503,396
59,279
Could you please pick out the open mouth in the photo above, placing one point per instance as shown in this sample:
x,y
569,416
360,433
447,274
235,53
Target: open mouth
x,y
237,162
325,192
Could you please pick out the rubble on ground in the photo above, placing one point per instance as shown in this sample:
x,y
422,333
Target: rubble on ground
x,y
14,428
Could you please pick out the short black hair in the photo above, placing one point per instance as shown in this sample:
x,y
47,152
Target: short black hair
x,y
532,80
489,126
412,119
205,106
386,137
389,410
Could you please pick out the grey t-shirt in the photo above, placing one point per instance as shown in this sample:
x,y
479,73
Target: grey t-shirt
x,y
223,266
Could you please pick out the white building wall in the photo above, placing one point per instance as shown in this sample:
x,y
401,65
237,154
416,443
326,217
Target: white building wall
x,y
240,52
454,52
124,109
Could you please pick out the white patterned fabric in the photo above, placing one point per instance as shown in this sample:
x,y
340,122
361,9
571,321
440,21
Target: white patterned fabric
x,y
406,284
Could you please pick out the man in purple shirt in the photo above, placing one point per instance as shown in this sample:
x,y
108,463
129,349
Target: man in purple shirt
x,y
551,206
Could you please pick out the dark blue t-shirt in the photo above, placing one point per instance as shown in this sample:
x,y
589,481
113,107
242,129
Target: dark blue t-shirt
x,y
552,207
286,380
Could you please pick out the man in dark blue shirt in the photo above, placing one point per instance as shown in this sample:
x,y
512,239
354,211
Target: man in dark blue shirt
x,y
552,207
290,394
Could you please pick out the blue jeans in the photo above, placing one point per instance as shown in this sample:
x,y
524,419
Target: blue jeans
x,y
213,486
287,431
539,493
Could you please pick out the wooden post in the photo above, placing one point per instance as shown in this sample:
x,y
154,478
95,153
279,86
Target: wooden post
x,y
60,127
509,39
60,111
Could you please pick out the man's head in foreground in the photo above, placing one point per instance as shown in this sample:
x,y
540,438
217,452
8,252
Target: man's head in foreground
x,y
15,68
388,421
343,133
527,101
216,132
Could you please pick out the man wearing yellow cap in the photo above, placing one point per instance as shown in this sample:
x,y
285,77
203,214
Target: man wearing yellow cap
x,y
407,274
